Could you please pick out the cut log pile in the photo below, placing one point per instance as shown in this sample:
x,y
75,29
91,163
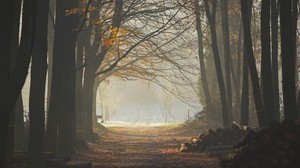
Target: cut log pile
x,y
213,141
275,146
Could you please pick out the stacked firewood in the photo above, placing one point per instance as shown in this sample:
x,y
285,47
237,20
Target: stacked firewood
x,y
275,146
214,139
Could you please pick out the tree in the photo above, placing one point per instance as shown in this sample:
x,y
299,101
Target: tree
x,y
135,32
37,88
251,61
227,56
13,81
267,82
201,56
20,139
6,13
288,59
211,20
60,133
274,34
245,92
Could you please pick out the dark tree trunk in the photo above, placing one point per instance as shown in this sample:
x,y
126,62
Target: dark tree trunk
x,y
295,23
15,79
61,116
245,93
238,71
274,33
201,57
51,26
295,20
88,84
20,141
267,84
95,89
13,58
37,89
212,25
251,61
7,15
288,59
227,56
64,50
79,75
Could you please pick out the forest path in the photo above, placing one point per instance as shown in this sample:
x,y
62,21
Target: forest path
x,y
144,147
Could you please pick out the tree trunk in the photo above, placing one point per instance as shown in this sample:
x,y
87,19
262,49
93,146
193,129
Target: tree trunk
x,y
251,61
64,50
95,88
37,89
288,59
238,73
13,58
88,85
51,22
245,92
295,20
227,55
79,75
267,84
20,141
93,62
274,33
211,20
201,56
14,78
295,24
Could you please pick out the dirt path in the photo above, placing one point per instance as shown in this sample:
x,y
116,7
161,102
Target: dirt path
x,y
143,147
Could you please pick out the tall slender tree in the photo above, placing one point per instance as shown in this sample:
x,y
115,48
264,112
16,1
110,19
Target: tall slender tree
x,y
6,14
274,34
211,16
288,59
267,82
251,61
37,88
227,55
60,132
201,56
13,79
245,92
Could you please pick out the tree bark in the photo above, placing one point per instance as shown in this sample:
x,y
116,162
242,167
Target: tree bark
x,y
88,85
227,56
238,71
267,84
51,25
274,33
288,59
251,61
79,75
245,92
212,25
37,89
64,51
201,56
20,141
7,15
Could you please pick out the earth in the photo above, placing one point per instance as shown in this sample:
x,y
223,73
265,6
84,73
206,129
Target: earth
x,y
144,147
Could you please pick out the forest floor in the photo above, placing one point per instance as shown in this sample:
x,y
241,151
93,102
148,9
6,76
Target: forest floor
x,y
144,147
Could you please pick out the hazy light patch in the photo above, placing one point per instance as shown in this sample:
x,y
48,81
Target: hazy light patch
x,y
138,124
133,103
